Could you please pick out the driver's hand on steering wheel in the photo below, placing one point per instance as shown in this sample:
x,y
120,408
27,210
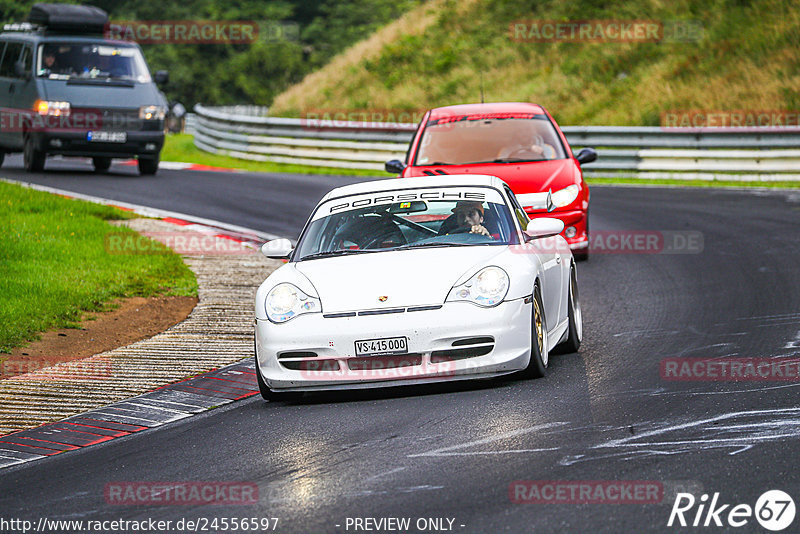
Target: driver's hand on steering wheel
x,y
480,230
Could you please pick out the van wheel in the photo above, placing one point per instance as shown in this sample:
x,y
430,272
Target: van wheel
x,y
101,164
33,159
2,157
148,166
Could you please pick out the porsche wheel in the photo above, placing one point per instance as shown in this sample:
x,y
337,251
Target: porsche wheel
x,y
575,332
539,351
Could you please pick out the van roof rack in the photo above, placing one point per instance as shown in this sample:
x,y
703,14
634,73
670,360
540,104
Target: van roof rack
x,y
67,18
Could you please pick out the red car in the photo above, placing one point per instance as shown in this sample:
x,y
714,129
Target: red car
x,y
518,142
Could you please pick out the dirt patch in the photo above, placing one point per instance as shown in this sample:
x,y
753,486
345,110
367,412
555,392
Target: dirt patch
x,y
135,319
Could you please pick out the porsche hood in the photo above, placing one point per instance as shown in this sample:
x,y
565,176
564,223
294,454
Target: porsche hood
x,y
393,279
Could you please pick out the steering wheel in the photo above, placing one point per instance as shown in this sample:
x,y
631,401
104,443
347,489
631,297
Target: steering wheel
x,y
525,151
465,229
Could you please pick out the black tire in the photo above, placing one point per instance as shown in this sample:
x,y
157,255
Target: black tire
x,y
538,363
2,157
101,164
148,166
583,254
575,332
33,159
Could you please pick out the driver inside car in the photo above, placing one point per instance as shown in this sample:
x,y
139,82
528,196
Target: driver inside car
x,y
467,217
529,145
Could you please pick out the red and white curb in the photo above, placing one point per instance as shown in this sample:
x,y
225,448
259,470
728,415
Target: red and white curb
x,y
155,408
181,166
164,405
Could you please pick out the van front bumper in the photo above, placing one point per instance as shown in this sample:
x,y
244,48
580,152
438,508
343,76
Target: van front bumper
x,y
76,143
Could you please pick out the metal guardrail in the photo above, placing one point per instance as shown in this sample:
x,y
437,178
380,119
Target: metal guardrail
x,y
650,152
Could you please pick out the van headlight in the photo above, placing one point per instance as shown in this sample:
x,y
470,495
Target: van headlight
x,y
52,109
487,288
286,301
566,196
152,113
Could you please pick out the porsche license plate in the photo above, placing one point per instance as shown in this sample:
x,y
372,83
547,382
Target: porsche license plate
x,y
107,137
386,345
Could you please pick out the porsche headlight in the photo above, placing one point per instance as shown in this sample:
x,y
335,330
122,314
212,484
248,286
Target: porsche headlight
x,y
487,288
566,196
286,301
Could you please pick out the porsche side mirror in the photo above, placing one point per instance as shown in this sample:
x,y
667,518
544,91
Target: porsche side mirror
x,y
587,155
544,227
277,249
394,166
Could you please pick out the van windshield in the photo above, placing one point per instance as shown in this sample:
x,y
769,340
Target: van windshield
x,y
69,61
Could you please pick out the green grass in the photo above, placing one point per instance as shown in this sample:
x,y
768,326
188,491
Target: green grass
x,y
745,58
180,147
54,265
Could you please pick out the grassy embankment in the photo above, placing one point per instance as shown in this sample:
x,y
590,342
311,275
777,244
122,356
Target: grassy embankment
x,y
54,264
746,58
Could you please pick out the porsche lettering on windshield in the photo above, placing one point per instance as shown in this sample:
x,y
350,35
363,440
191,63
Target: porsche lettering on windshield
x,y
408,197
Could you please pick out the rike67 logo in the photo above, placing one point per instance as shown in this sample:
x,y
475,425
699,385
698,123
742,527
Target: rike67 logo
x,y
774,510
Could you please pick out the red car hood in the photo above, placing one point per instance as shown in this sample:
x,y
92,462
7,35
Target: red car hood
x,y
521,177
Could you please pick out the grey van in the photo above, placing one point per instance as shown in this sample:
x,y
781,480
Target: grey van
x,y
66,89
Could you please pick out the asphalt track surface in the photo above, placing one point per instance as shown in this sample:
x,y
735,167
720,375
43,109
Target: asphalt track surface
x,y
453,451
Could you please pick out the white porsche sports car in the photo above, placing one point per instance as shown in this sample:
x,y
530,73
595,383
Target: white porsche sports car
x,y
408,281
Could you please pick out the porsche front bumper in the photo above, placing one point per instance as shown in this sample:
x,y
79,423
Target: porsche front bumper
x,y
456,341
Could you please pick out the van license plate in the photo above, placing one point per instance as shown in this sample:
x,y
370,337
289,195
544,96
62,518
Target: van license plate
x,y
107,137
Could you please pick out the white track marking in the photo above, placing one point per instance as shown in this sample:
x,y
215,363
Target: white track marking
x,y
446,451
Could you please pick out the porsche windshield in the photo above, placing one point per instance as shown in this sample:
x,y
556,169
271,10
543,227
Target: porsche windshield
x,y
489,138
405,220
89,61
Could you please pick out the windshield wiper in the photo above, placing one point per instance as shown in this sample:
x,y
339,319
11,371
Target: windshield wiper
x,y
104,80
515,160
327,253
434,244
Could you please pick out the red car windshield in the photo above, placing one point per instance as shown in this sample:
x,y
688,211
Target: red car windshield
x,y
489,138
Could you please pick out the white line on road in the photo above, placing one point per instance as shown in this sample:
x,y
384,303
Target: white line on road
x,y
446,451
